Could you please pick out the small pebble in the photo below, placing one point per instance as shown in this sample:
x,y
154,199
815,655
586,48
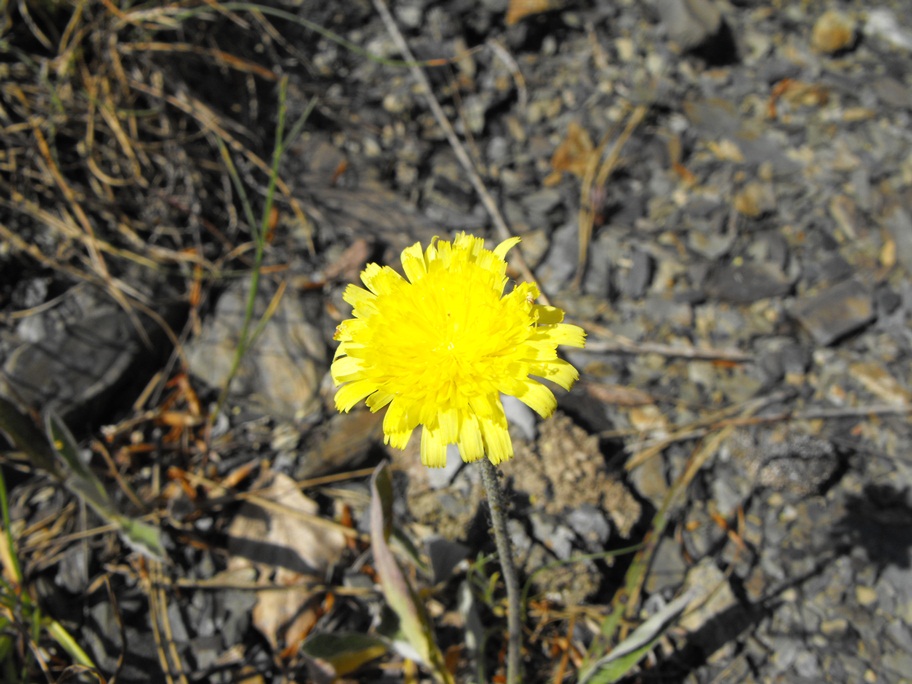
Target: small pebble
x,y
866,596
833,32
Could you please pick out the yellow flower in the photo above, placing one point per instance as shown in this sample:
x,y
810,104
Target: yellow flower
x,y
440,346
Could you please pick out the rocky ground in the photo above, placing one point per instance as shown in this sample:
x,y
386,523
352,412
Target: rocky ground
x,y
719,192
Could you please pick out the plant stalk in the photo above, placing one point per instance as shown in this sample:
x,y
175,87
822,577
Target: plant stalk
x,y
496,503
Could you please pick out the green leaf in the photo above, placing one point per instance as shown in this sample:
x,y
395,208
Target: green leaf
x,y
79,479
342,653
625,656
57,453
399,595
26,437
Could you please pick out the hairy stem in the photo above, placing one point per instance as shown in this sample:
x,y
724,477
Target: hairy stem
x,y
496,500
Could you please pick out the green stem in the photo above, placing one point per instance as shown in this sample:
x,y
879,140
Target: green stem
x,y
496,503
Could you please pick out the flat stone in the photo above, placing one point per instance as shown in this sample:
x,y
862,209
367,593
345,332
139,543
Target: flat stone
x,y
590,525
549,531
835,312
281,372
690,24
81,357
668,568
637,280
747,282
898,222
755,199
714,597
883,24
801,466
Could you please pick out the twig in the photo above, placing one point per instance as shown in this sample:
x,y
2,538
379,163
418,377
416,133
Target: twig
x,y
618,344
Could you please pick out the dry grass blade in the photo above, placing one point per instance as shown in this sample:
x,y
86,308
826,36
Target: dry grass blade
x,y
715,421
459,150
153,581
89,239
596,176
221,57
618,344
213,124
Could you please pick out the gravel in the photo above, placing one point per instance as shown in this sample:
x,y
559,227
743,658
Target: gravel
x,y
760,206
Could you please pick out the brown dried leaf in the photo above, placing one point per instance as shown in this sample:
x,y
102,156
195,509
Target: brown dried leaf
x,y
285,617
350,262
520,9
288,550
574,152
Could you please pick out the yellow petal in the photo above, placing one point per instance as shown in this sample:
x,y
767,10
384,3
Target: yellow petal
x,y
505,246
346,368
557,371
448,422
538,398
359,298
397,427
564,333
548,315
381,279
350,394
413,263
471,446
433,448
497,440
378,400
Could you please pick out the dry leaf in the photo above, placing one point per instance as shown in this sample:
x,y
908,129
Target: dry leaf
x,y
350,262
573,154
520,9
288,548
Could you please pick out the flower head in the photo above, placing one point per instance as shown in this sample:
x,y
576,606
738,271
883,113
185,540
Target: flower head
x,y
439,346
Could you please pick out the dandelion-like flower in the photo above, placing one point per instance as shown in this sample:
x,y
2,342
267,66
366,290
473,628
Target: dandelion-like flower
x,y
439,346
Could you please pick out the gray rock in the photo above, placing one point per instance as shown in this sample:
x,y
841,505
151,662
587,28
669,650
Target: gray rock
x,y
808,666
883,25
835,312
445,555
638,278
801,466
83,356
551,532
747,282
281,372
668,568
899,223
559,264
689,23
590,525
